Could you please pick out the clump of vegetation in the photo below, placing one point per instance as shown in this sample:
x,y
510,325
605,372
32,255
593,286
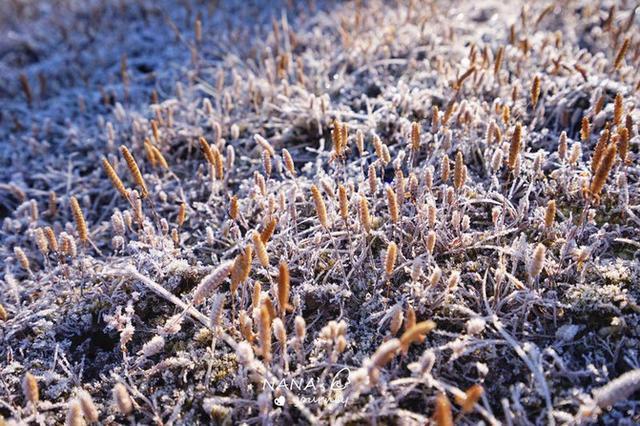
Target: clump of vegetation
x,y
319,213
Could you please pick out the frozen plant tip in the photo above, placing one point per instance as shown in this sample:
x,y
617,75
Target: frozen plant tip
x,y
535,90
604,167
321,209
585,129
74,414
618,389
30,388
261,250
550,214
88,406
114,178
537,261
212,281
415,333
392,204
470,398
283,287
514,147
621,53
122,399
442,415
381,357
23,260
135,171
78,217
390,258
265,334
363,214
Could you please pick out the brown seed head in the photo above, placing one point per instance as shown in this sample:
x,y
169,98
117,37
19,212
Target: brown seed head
x,y
550,214
68,245
618,109
265,334
506,114
431,241
26,88
261,250
23,260
241,268
343,200
268,230
78,217
445,169
51,237
585,129
321,209
42,242
30,388
122,399
385,353
360,142
414,333
182,214
603,140
621,53
363,213
155,131
135,171
514,147
435,118
537,261
283,287
233,208
599,104
372,178
470,398
288,162
442,415
3,313
603,170
415,136
88,407
562,146
390,258
535,90
212,281
623,144
74,414
151,156
392,204
206,150
498,62
159,157
264,144
458,171
113,176
267,163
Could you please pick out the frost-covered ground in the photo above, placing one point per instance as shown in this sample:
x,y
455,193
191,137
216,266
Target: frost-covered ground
x,y
345,212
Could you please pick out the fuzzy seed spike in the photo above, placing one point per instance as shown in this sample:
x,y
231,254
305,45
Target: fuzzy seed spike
x,y
78,217
113,177
321,209
135,171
